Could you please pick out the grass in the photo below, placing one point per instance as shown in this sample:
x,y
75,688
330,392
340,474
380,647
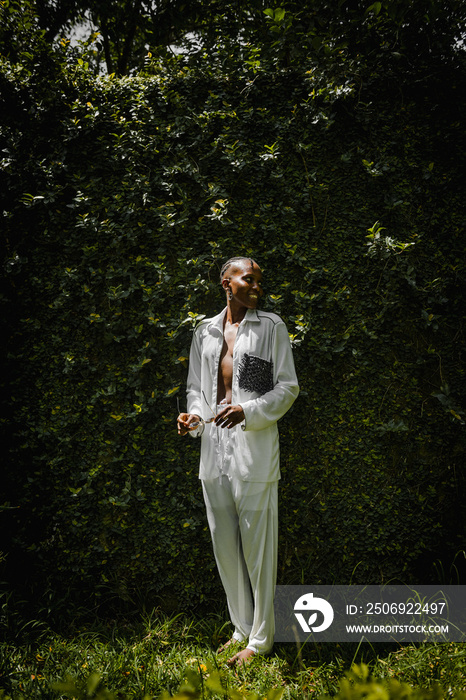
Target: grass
x,y
158,654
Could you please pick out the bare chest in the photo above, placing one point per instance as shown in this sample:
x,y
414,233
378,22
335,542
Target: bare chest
x,y
225,368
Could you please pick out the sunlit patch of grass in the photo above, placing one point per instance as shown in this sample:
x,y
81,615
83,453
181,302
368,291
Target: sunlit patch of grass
x,y
176,656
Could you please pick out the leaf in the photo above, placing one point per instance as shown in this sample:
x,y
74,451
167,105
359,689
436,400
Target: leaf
x,y
375,8
279,14
275,693
214,683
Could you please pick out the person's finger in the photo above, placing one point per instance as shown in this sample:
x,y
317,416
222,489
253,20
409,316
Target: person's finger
x,y
222,412
229,421
183,421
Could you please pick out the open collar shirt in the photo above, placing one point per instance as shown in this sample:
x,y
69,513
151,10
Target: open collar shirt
x,y
264,384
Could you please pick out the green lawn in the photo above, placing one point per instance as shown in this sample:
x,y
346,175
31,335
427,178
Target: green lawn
x,y
158,655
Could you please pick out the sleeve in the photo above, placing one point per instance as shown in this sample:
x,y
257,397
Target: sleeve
x,y
193,387
266,410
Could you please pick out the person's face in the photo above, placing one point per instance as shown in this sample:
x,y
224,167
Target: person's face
x,y
245,284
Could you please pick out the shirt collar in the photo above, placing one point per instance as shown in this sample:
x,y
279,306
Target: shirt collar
x,y
216,322
252,316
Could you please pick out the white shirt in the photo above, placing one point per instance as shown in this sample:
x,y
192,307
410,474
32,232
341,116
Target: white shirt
x,y
264,384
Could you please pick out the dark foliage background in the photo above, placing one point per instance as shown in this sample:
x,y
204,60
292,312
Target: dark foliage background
x,y
342,173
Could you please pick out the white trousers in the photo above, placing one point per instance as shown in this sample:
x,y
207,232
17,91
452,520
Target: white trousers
x,y
243,521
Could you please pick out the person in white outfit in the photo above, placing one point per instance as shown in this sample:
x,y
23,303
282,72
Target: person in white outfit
x,y
241,380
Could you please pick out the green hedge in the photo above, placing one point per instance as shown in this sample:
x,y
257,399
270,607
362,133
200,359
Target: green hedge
x,y
121,198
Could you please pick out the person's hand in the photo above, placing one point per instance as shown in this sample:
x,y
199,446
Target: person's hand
x,y
229,416
187,422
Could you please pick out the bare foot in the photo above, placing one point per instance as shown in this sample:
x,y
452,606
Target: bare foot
x,y
242,657
225,646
